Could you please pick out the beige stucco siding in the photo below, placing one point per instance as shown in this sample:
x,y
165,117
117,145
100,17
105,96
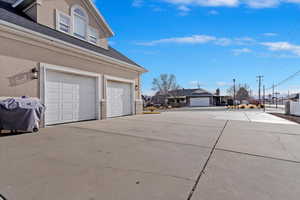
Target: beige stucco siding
x,y
47,14
16,77
18,57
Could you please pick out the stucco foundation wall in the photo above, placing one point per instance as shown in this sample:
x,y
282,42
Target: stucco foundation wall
x,y
16,77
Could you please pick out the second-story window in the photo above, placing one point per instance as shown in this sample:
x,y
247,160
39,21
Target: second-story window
x,y
63,22
80,22
93,35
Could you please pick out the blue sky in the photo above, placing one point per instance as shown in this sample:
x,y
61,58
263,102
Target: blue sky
x,y
209,41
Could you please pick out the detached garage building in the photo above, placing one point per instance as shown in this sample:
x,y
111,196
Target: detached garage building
x,y
58,51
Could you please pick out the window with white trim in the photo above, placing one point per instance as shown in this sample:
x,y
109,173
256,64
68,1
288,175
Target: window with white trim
x,y
63,22
80,22
93,35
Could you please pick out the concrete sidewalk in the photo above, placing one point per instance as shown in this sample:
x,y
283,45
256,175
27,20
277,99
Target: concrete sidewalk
x,y
172,156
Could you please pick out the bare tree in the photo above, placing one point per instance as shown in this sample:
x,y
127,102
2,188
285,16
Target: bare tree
x,y
242,92
165,83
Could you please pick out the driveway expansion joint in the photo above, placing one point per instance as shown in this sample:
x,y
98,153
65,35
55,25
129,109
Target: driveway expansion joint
x,y
148,172
206,163
139,137
178,123
256,155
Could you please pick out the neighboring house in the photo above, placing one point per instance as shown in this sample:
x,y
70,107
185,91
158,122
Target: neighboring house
x,y
57,50
187,97
294,97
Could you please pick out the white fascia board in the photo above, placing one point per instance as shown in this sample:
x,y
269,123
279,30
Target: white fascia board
x,y
17,3
101,17
16,28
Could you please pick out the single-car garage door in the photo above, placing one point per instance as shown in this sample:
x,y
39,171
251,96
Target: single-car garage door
x,y
69,98
200,102
119,99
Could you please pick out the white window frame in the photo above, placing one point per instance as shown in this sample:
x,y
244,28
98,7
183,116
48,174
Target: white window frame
x,y
86,21
58,17
90,35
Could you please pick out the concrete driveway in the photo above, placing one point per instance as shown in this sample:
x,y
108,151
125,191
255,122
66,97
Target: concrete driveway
x,y
188,155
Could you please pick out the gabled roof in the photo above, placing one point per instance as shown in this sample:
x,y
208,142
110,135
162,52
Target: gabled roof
x,y
13,16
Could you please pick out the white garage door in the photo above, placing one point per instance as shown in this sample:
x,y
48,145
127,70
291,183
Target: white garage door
x,y
200,102
69,98
119,99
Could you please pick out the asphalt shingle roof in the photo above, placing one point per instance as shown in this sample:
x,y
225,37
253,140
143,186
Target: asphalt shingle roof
x,y
9,14
192,92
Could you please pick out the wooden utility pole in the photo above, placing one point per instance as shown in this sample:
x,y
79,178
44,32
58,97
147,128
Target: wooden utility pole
x,y
234,91
277,93
273,94
264,98
260,79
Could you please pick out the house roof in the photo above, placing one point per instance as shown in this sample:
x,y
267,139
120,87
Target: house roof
x,y
294,96
13,16
194,92
189,93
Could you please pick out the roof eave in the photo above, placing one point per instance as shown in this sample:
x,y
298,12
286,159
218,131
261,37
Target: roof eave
x,y
22,4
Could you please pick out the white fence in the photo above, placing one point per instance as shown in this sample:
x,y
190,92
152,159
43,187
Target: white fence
x,y
295,108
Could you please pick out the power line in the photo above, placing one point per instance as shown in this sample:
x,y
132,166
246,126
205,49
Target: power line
x,y
284,81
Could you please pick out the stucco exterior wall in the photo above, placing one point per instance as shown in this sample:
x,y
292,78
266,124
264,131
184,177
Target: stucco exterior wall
x,y
47,15
20,57
16,77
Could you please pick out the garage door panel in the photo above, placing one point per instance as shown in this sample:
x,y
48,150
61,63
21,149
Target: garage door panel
x,y
69,98
200,102
119,99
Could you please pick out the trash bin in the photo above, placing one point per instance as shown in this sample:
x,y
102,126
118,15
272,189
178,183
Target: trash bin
x,y
21,114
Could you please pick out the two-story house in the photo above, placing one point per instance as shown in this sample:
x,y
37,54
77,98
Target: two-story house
x,y
57,50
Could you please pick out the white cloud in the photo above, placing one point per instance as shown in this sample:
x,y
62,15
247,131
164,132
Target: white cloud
x,y
208,3
201,39
254,4
213,12
195,39
270,34
184,8
223,84
137,3
262,3
238,52
283,46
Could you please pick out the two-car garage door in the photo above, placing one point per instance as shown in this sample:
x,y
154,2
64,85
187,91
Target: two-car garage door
x,y
69,98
